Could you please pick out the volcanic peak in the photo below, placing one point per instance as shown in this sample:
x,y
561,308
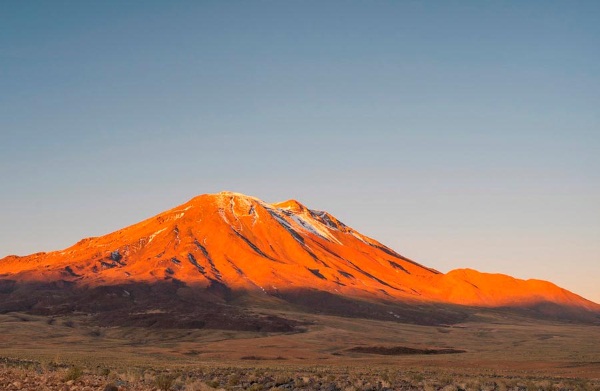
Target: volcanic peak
x,y
237,242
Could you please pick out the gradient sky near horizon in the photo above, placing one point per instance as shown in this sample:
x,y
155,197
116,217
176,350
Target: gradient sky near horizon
x,y
459,133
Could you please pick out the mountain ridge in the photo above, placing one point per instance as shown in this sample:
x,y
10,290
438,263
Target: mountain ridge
x,y
232,242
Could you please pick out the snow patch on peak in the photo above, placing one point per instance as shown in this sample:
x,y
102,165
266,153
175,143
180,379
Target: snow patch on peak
x,y
294,213
327,220
314,226
223,216
154,235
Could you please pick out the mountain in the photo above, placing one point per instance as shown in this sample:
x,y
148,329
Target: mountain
x,y
226,251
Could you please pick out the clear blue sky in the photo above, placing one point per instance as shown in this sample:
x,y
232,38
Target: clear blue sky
x,y
460,133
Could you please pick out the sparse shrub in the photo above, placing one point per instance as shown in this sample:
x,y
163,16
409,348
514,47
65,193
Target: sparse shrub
x,y
446,380
195,385
581,385
281,379
164,382
473,385
234,380
73,373
429,387
111,387
147,376
213,384
418,377
256,387
131,376
385,376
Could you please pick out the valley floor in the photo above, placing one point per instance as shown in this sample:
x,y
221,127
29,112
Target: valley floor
x,y
501,352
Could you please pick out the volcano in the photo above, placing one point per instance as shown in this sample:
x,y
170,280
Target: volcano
x,y
207,262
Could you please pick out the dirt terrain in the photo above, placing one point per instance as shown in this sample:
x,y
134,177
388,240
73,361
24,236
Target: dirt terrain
x,y
502,351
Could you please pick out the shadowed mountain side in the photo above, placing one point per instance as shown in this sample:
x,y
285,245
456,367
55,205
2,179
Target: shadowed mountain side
x,y
173,304
168,304
315,301
230,246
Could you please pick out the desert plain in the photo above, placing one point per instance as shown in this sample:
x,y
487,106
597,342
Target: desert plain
x,y
492,350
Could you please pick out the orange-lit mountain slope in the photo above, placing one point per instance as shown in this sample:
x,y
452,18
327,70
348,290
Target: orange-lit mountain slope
x,y
247,245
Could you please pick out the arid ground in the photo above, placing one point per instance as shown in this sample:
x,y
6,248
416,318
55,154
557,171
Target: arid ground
x,y
494,351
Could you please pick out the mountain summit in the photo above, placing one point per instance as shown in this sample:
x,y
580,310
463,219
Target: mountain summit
x,y
239,245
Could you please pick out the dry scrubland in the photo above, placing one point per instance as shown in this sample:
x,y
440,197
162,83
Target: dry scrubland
x,y
502,352
32,376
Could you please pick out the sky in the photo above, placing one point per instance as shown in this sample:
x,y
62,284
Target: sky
x,y
459,133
